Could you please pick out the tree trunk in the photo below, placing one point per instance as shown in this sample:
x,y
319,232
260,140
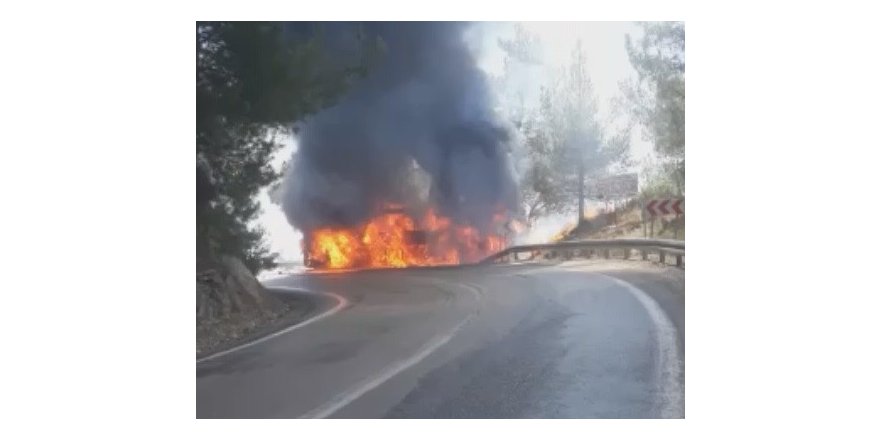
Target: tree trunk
x,y
580,181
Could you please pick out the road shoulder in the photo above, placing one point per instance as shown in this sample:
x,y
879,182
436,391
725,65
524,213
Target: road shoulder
x,y
300,305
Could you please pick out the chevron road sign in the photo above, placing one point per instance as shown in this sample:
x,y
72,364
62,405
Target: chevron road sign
x,y
657,207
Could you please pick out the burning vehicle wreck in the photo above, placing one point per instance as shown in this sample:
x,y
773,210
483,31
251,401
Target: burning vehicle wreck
x,y
395,239
412,167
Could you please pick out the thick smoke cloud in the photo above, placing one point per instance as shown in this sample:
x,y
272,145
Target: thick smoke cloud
x,y
427,103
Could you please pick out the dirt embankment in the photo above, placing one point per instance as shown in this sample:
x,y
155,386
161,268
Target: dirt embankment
x,y
626,222
232,306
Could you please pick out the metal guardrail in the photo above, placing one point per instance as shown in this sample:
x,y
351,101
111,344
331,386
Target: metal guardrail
x,y
568,248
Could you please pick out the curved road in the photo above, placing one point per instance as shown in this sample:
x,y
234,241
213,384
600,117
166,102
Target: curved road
x,y
592,339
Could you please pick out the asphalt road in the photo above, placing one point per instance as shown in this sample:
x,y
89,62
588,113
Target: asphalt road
x,y
579,340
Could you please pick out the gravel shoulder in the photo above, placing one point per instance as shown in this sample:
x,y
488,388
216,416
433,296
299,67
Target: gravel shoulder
x,y
242,328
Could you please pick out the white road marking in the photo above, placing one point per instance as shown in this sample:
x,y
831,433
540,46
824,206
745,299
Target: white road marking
x,y
341,304
669,402
342,400
669,398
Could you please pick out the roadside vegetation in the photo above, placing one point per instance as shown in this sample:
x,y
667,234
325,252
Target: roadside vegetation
x,y
564,141
253,82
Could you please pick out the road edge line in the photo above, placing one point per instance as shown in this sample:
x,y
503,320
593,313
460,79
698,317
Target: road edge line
x,y
341,303
670,402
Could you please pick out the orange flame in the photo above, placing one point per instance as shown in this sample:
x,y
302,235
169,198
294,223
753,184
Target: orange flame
x,y
562,233
394,239
517,226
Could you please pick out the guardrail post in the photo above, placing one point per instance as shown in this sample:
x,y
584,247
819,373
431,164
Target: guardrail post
x,y
678,260
626,253
607,253
662,257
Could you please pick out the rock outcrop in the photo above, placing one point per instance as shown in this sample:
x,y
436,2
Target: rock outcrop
x,y
230,302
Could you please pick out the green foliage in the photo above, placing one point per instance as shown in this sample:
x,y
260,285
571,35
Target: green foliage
x,y
657,98
660,180
566,141
562,138
541,187
252,82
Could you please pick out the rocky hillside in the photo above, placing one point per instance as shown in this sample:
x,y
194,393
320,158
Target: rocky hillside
x,y
231,303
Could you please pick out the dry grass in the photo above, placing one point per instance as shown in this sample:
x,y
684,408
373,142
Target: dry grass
x,y
628,224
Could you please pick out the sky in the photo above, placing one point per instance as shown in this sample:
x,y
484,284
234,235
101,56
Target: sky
x,y
603,42
607,64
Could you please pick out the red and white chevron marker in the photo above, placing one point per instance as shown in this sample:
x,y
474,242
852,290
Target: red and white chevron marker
x,y
676,206
657,207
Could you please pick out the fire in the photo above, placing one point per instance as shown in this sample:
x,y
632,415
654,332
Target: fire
x,y
394,239
517,226
562,233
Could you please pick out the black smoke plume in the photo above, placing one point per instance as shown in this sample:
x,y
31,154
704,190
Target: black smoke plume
x,y
427,106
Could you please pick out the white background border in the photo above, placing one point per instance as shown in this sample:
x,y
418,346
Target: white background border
x,y
97,189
